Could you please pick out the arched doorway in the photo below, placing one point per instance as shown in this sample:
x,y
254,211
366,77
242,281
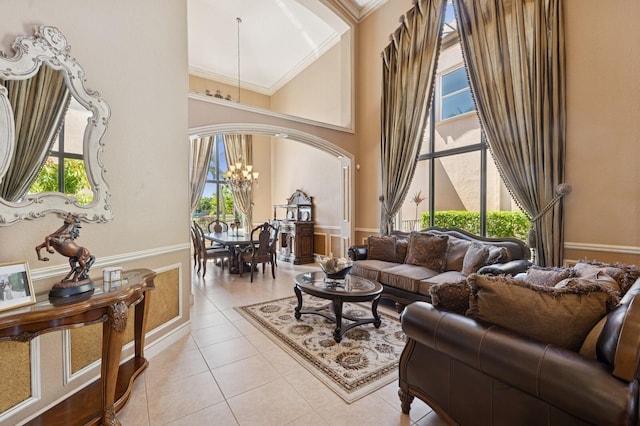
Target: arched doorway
x,y
345,158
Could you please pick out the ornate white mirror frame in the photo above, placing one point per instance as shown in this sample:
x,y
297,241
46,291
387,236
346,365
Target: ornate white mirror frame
x,y
48,46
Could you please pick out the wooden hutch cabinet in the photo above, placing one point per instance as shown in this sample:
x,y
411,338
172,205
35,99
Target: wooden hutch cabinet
x,y
296,229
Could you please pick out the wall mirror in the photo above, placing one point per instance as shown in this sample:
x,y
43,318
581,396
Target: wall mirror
x,y
51,129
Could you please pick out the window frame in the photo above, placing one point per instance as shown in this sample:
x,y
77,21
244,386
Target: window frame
x,y
442,97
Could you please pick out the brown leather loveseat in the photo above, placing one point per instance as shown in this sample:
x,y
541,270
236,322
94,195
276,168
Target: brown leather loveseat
x,y
475,373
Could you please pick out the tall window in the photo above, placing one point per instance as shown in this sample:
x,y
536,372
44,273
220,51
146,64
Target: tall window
x,y
455,174
64,169
217,200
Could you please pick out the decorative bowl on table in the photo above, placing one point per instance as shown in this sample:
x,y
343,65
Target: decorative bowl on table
x,y
334,268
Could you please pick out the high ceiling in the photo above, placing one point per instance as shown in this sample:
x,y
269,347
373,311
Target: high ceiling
x,y
275,40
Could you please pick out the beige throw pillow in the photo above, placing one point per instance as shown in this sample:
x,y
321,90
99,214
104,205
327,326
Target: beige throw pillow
x,y
559,316
428,250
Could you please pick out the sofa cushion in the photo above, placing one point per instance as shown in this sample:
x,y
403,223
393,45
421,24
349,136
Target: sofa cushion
x,y
381,248
455,253
370,269
548,276
475,258
406,277
451,296
428,250
442,278
560,316
588,347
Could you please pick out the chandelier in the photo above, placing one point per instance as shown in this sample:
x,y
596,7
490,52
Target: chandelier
x,y
240,176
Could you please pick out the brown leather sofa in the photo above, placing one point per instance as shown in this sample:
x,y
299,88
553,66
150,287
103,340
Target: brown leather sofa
x,y
472,373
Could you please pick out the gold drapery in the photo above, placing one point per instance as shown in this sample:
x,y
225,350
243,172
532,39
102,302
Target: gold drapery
x,y
39,105
514,52
200,158
408,69
239,148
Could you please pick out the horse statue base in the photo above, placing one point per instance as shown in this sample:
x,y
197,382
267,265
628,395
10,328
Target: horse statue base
x,y
70,288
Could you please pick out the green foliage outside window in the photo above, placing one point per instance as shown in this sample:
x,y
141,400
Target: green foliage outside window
x,y
499,223
209,205
76,182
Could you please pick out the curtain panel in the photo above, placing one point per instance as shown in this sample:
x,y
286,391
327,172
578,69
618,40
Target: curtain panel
x,y
408,70
201,149
239,149
514,53
39,106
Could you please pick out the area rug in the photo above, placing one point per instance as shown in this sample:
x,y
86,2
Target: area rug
x,y
365,360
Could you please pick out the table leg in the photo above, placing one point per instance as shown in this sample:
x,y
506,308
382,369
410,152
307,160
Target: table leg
x,y
374,311
337,311
113,335
299,296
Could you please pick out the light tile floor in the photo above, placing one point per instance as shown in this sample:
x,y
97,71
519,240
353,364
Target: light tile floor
x,y
226,372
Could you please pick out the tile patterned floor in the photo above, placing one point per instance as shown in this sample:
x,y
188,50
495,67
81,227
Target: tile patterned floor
x,y
226,372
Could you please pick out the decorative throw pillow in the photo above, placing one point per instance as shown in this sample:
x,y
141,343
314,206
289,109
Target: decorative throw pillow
x,y
382,248
402,245
625,275
455,253
548,276
498,254
598,277
559,316
428,250
451,297
475,258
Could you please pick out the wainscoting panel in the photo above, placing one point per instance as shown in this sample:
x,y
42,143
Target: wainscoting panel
x,y
320,243
85,343
15,374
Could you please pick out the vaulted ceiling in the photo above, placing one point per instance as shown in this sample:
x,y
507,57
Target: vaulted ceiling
x,y
273,42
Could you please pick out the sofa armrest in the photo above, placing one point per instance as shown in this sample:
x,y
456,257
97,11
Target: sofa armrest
x,y
357,252
562,378
509,268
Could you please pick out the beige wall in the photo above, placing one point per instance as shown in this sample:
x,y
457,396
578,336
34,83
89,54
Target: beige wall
x,y
135,55
316,93
603,106
603,126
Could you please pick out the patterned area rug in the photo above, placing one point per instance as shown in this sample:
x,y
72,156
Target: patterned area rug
x,y
365,360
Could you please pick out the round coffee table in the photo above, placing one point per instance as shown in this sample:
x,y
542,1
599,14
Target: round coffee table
x,y
351,289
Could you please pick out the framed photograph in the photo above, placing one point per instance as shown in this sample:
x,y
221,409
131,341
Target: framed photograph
x,y
16,288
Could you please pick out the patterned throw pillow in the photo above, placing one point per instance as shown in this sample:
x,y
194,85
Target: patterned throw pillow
x,y
475,258
559,316
451,297
382,248
428,250
548,276
402,246
625,275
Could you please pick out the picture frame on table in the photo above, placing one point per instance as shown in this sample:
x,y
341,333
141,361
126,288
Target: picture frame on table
x,y
16,287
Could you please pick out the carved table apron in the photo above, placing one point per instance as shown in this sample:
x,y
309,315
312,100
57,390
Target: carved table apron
x,y
98,402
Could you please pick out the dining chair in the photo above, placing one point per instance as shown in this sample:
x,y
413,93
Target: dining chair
x,y
262,249
205,253
217,227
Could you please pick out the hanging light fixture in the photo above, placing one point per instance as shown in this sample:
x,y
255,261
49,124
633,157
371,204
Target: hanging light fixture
x,y
241,176
239,21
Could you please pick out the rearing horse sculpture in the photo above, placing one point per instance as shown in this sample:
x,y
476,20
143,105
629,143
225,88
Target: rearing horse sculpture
x,y
62,241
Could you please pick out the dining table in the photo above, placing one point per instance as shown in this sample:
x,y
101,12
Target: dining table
x,y
235,242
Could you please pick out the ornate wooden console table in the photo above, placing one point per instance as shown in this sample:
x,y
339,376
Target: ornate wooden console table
x,y
98,402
